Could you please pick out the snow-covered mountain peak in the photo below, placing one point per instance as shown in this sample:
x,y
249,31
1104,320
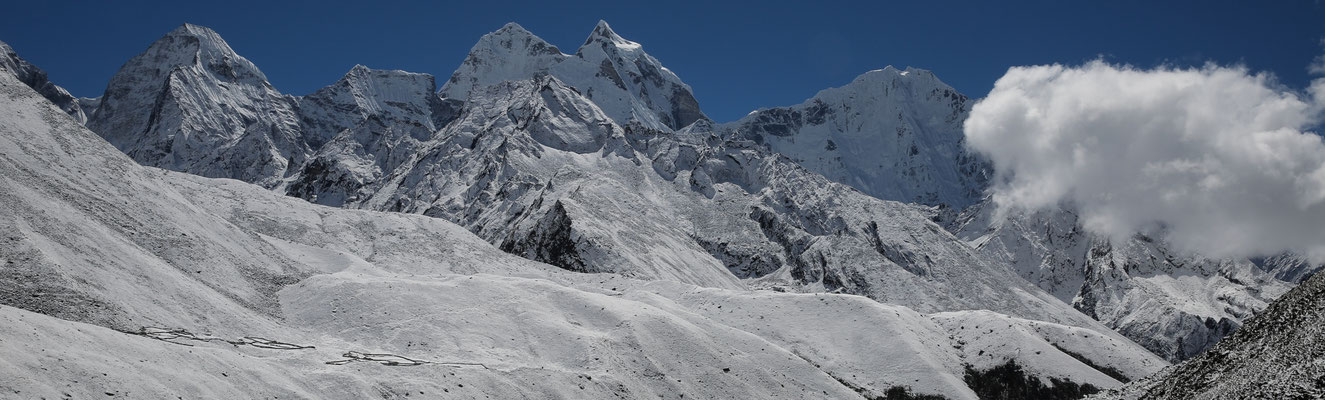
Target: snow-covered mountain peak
x,y
875,82
893,134
615,73
510,53
603,33
628,83
374,89
190,103
364,93
513,36
192,29
98,239
366,123
886,69
191,44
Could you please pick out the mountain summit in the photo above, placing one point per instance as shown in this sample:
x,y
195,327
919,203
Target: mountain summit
x,y
509,53
893,134
616,74
190,103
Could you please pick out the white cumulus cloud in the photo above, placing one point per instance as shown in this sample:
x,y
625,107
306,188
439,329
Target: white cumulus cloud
x,y
1215,159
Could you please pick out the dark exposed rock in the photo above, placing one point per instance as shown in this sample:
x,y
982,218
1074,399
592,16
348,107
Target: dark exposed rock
x,y
553,241
1010,381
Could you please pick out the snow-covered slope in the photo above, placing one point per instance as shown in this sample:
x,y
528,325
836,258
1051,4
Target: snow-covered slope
x,y
900,347
813,327
1176,305
88,231
893,134
189,103
36,79
95,241
1276,355
629,85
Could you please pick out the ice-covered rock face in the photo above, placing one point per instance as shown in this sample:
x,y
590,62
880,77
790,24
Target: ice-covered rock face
x,y
365,93
554,115
893,134
189,103
616,74
1290,268
629,84
88,105
1174,305
36,79
1276,355
368,122
510,53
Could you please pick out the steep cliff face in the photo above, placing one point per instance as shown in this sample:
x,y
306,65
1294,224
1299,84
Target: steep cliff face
x,y
626,83
189,103
893,134
510,53
1290,268
363,126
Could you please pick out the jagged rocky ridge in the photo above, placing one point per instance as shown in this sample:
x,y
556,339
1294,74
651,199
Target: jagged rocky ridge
x,y
1276,355
1174,304
364,126
101,242
36,79
574,160
629,85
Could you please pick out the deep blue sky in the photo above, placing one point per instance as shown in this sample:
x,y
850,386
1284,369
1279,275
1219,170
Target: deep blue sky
x,y
737,57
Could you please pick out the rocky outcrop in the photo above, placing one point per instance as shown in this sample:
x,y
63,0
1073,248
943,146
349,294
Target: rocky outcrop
x,y
36,79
